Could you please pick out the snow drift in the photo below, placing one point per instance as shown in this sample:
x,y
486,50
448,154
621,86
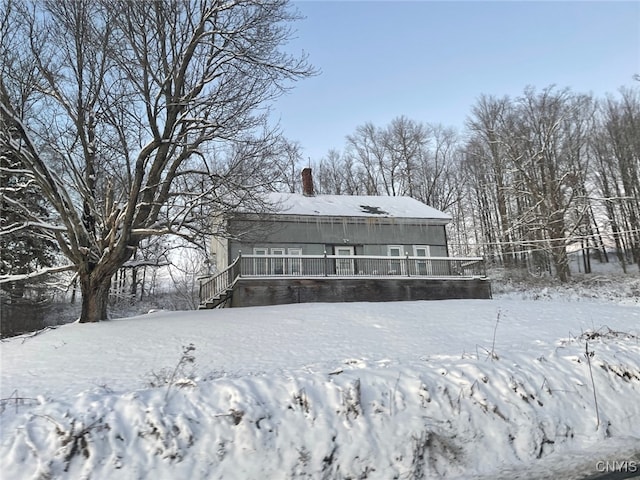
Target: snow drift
x,y
450,389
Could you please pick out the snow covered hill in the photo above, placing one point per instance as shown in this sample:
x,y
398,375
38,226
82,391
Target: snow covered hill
x,y
445,389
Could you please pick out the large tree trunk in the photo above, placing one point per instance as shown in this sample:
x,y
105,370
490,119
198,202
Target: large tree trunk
x,y
561,261
557,232
559,252
95,298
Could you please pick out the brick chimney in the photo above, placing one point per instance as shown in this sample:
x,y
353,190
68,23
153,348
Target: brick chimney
x,y
307,182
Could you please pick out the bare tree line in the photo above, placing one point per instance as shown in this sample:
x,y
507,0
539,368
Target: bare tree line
x,y
529,179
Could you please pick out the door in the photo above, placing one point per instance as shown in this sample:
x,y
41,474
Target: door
x,y
423,267
295,264
396,267
260,264
344,266
277,264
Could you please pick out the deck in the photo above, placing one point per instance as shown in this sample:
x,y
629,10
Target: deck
x,y
253,280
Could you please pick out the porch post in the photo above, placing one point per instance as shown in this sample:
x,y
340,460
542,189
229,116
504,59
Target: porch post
x,y
324,264
406,260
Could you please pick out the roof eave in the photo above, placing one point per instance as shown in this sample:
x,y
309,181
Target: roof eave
x,y
350,219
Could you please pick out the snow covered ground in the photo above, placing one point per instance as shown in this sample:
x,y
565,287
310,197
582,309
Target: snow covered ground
x,y
473,389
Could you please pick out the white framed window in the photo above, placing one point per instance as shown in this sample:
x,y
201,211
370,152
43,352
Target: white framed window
x,y
344,266
395,267
423,267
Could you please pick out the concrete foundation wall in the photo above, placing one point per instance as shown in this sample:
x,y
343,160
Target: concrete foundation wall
x,y
257,292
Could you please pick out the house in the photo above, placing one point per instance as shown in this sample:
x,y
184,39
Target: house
x,y
338,248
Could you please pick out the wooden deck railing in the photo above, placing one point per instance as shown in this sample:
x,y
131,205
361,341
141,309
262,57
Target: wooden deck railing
x,y
359,265
213,287
339,266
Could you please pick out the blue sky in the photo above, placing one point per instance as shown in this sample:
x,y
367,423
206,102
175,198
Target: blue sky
x,y
431,60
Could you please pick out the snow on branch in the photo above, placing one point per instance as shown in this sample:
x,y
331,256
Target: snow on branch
x,y
25,225
39,273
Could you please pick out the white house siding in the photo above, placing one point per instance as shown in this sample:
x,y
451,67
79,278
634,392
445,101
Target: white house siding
x,y
220,250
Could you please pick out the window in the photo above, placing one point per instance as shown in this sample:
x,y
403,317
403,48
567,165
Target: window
x,y
423,267
344,266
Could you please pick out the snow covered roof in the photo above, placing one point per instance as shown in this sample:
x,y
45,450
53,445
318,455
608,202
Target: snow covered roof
x,y
354,206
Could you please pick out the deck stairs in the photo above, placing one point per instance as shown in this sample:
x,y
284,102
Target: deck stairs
x,y
215,291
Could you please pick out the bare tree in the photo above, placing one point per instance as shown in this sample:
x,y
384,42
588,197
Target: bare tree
x,y
405,141
367,149
439,177
546,144
529,161
329,174
621,133
291,160
487,120
140,113
185,276
557,164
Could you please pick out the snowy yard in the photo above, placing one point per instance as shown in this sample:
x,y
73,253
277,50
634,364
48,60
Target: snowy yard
x,y
455,389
